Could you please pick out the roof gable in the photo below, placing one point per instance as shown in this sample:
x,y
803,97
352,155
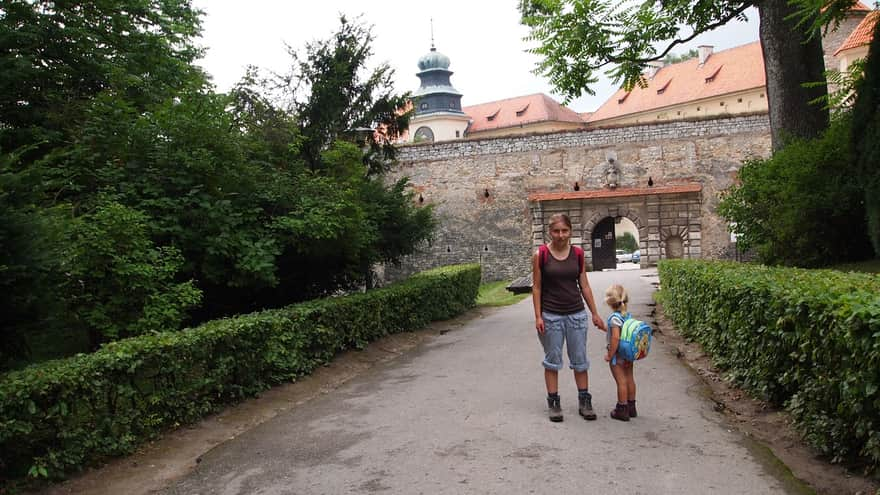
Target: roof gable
x,y
862,34
517,111
727,71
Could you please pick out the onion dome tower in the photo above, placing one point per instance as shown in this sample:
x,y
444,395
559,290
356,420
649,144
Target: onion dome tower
x,y
438,115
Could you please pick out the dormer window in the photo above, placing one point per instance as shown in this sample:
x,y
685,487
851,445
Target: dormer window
x,y
662,89
423,106
490,118
522,111
714,74
622,98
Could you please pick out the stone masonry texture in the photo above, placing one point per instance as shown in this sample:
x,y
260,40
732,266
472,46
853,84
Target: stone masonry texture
x,y
480,189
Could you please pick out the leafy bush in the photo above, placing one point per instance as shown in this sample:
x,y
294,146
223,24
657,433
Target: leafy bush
x,y
806,339
118,284
803,206
61,415
258,201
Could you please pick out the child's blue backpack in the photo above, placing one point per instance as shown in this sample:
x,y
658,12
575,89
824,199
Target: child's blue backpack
x,y
635,337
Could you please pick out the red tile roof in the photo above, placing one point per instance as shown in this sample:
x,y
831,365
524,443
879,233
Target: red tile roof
x,y
617,193
727,71
860,6
862,34
521,110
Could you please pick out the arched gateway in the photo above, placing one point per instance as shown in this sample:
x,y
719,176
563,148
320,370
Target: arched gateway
x,y
668,220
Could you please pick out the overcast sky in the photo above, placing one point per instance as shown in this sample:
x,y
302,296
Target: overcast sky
x,y
482,38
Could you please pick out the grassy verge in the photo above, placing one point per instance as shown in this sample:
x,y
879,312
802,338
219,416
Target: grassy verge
x,y
495,294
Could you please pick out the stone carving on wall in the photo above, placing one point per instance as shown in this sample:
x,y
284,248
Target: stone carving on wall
x,y
612,174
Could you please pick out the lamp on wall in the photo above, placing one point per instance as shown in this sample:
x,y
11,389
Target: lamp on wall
x,y
577,186
650,182
421,198
486,192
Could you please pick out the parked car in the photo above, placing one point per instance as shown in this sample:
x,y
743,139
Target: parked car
x,y
623,257
636,256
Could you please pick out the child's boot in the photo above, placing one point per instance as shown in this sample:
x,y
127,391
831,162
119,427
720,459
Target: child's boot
x,y
620,412
631,407
585,406
554,408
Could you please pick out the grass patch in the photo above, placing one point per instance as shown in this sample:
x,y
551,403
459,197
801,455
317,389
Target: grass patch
x,y
495,294
870,266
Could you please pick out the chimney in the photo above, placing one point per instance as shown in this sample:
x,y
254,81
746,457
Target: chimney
x,y
654,66
705,53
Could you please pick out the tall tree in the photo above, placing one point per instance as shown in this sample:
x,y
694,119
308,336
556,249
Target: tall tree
x,y
338,99
56,55
578,37
55,58
335,96
866,139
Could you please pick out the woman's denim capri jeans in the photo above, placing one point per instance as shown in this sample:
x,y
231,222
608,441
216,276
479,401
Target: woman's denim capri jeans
x,y
571,329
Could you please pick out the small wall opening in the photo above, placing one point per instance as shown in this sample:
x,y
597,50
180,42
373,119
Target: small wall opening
x,y
674,248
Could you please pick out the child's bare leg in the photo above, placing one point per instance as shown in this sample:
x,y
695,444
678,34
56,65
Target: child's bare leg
x,y
619,375
630,381
551,379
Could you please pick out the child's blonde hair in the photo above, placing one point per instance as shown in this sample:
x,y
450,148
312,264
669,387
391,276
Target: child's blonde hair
x,y
616,298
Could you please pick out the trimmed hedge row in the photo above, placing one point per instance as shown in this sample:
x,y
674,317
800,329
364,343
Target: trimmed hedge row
x,y
805,339
61,415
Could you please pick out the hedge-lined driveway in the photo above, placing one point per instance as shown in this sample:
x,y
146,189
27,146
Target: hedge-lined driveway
x,y
465,413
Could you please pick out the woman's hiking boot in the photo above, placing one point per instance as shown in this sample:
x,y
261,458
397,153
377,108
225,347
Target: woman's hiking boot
x,y
555,409
585,408
631,407
621,412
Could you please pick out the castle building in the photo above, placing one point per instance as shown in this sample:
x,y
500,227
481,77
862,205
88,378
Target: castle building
x,y
438,114
856,45
723,83
655,158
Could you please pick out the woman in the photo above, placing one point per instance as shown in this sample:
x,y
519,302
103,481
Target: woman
x,y
559,288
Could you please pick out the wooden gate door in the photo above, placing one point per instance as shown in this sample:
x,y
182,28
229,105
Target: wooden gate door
x,y
602,244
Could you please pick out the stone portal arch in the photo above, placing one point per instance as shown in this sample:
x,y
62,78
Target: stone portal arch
x,y
598,214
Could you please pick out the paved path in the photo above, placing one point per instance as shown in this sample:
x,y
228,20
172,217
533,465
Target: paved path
x,y
465,413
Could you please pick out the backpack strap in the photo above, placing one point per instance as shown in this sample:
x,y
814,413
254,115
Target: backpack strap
x,y
544,251
580,256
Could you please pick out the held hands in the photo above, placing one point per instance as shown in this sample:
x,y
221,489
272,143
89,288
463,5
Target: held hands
x,y
608,357
539,325
599,323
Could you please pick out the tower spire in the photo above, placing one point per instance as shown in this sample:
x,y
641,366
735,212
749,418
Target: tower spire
x,y
432,34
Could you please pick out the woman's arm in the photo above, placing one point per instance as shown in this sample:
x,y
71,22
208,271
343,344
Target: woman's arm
x,y
536,292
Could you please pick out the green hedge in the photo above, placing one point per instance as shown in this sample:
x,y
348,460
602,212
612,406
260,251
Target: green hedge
x,y
59,416
805,339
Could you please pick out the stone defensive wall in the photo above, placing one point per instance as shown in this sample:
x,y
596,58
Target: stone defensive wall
x,y
492,197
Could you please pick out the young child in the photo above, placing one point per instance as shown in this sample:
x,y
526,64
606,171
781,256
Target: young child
x,y
621,369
